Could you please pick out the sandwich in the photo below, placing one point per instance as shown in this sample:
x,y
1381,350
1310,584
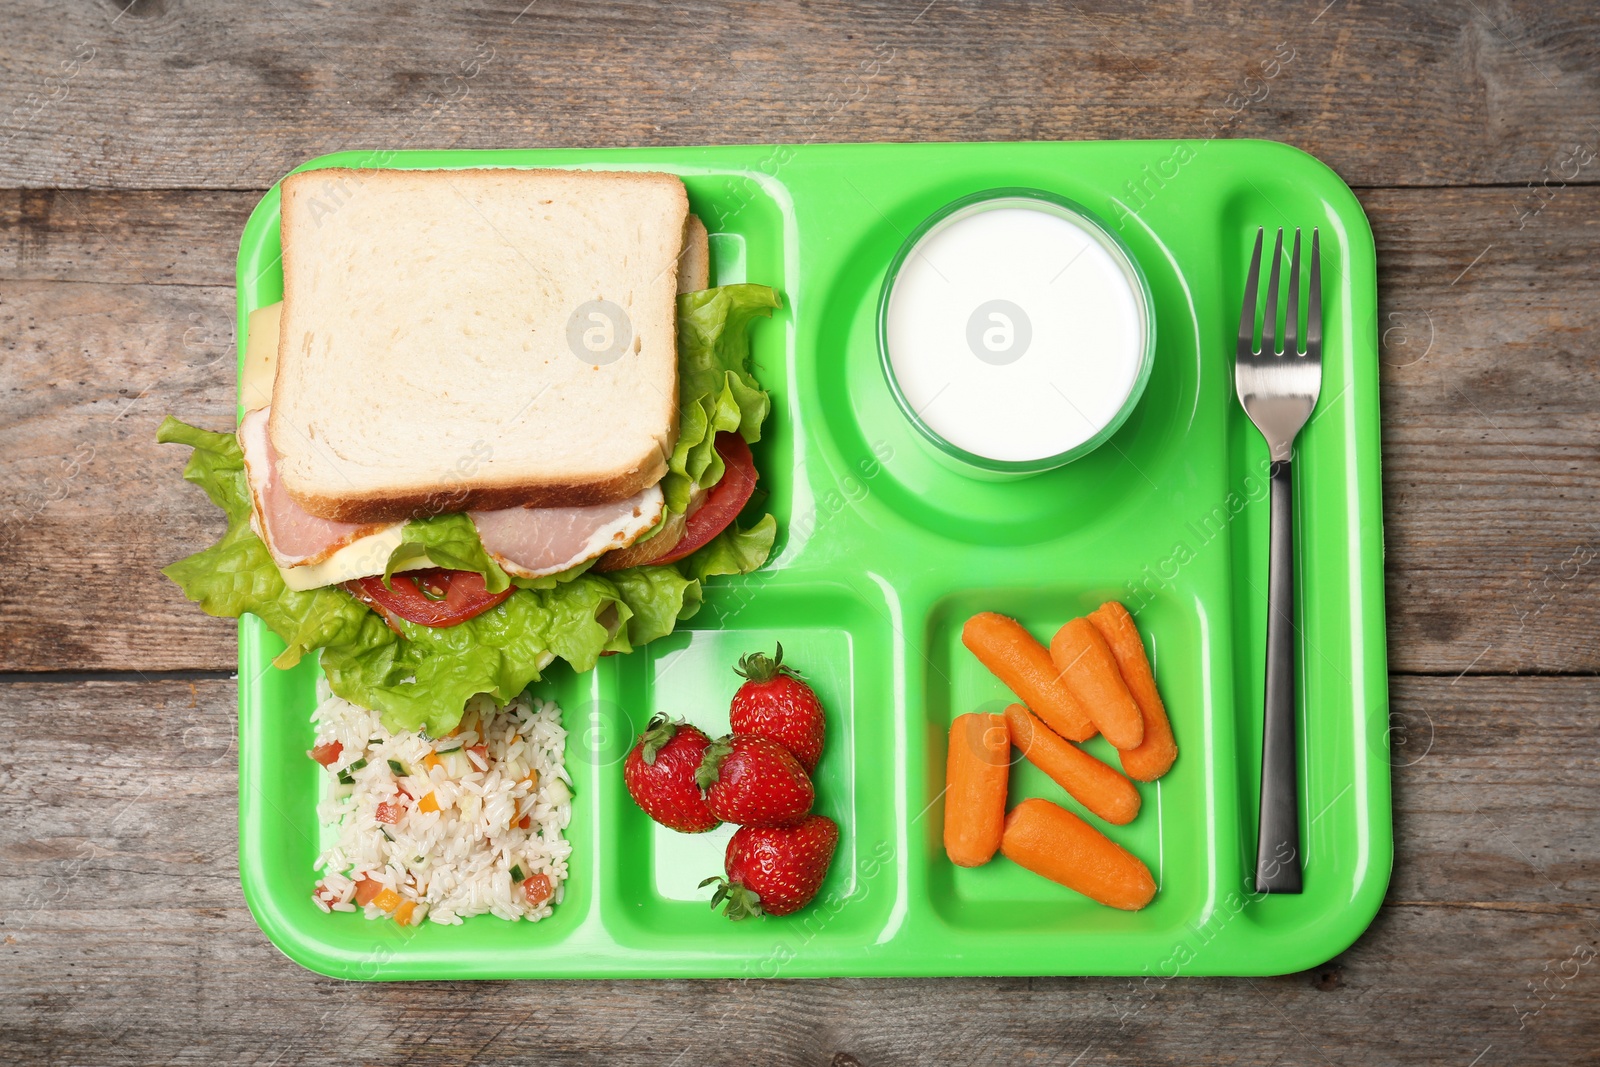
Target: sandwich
x,y
498,419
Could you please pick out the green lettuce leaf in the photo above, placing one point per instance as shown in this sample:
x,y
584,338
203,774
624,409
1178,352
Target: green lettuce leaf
x,y
550,581
716,391
587,615
448,541
657,598
424,679
236,575
216,464
734,550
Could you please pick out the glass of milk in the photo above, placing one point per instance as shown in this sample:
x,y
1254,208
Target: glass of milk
x,y
1016,331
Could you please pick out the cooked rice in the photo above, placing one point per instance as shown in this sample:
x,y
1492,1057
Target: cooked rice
x,y
455,862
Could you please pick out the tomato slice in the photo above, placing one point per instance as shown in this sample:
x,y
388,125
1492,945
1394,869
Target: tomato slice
x,y
328,754
432,597
725,500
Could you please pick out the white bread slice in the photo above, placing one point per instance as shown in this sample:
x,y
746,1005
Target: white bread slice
x,y
694,263
260,367
424,364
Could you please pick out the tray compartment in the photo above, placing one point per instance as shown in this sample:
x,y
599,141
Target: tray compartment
x,y
279,791
1340,754
1001,896
837,640
872,446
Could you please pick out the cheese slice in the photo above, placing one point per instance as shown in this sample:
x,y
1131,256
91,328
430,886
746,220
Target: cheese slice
x,y
260,357
361,558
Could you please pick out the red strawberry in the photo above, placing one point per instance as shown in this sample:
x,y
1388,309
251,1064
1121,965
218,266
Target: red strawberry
x,y
660,774
754,781
775,870
774,702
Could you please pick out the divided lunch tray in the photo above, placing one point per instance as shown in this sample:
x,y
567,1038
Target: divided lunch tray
x,y
883,552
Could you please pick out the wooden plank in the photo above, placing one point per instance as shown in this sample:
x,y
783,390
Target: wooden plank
x,y
88,502
232,96
1491,417
1489,320
125,938
182,237
1490,796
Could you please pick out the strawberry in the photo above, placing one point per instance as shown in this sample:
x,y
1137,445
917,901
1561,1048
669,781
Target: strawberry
x,y
774,702
660,775
775,870
754,781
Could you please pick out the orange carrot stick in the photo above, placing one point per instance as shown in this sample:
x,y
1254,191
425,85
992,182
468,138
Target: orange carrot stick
x,y
1090,671
1002,645
975,788
1097,787
1156,753
1055,843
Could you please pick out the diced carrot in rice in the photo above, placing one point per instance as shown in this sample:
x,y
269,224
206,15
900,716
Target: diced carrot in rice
x,y
537,889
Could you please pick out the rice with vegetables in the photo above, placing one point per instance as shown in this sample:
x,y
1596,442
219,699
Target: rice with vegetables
x,y
446,828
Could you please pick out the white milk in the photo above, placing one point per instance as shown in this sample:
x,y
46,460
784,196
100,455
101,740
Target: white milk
x,y
1013,333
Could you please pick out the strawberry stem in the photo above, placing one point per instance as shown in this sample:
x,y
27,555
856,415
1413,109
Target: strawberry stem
x,y
656,735
705,775
758,667
740,902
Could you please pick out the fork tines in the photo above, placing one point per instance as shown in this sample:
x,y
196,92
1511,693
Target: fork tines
x,y
1291,325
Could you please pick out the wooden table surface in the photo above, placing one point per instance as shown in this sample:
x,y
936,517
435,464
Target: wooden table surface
x,y
138,137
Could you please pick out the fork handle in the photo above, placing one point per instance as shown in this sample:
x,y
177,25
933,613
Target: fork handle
x,y
1278,845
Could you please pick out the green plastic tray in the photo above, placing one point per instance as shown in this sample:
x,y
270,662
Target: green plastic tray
x,y
883,551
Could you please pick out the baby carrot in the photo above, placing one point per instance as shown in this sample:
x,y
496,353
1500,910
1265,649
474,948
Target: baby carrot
x,y
1096,786
1002,645
1053,842
1156,753
975,788
1089,669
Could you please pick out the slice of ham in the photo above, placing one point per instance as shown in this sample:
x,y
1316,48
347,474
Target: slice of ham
x,y
527,542
293,536
533,542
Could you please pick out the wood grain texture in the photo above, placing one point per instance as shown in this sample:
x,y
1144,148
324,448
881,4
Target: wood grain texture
x,y
1491,411
1490,392
125,939
1408,92
143,237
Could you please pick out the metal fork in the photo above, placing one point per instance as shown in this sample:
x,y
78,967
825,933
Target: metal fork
x,y
1278,389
